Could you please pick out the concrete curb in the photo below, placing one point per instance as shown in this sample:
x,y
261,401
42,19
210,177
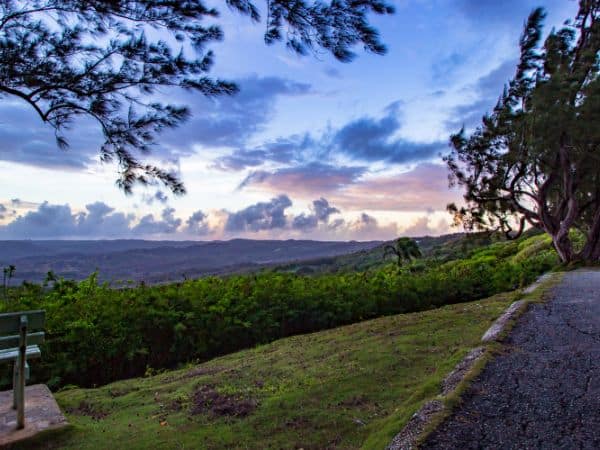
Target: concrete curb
x,y
499,325
410,434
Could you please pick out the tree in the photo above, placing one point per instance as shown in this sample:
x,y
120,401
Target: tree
x,y
404,249
104,59
535,161
8,273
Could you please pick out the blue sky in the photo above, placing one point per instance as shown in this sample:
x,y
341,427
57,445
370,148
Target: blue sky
x,y
310,147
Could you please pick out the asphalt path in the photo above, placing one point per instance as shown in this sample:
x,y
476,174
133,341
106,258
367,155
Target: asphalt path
x,y
543,390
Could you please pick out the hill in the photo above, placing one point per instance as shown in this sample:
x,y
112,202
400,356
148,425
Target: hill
x,y
165,261
159,261
348,388
439,248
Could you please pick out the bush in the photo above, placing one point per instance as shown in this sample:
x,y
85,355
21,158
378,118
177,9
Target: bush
x,y
97,334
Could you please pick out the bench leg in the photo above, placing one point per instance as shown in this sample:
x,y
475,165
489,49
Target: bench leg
x,y
15,369
21,375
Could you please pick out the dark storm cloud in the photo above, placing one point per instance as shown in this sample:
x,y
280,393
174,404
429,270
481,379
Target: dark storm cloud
x,y
321,211
260,216
313,178
197,223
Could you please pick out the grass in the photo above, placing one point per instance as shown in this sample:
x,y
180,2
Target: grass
x,y
351,387
454,399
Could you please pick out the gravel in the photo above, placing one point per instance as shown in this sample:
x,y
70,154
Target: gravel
x,y
543,391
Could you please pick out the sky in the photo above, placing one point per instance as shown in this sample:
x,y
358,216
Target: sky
x,y
310,148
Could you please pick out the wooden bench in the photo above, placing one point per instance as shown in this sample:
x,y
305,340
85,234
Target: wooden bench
x,y
20,334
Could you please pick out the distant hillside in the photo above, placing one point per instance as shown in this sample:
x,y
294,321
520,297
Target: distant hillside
x,y
159,261
444,248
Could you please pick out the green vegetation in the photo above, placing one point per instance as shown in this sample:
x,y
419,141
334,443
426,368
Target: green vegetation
x,y
533,161
404,249
97,334
351,387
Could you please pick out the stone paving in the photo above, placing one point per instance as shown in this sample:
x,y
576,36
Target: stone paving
x,y
41,414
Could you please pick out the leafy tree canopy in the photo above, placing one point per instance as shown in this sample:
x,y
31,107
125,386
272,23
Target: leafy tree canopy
x,y
404,249
535,159
103,60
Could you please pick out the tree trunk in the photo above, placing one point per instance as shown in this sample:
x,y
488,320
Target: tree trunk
x,y
591,249
563,246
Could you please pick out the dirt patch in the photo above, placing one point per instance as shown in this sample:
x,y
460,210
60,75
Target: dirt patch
x,y
200,371
297,423
206,400
115,392
89,410
355,402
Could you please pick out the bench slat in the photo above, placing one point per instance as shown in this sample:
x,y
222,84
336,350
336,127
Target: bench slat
x,y
33,351
13,341
10,322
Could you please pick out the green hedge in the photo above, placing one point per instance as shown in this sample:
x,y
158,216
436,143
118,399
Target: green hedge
x,y
97,334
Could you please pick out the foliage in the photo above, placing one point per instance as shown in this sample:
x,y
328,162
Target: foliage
x,y
7,273
404,249
347,388
534,159
102,60
96,334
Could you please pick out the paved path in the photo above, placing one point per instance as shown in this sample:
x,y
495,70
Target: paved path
x,y
544,391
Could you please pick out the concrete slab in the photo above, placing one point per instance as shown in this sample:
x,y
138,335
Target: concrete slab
x,y
41,414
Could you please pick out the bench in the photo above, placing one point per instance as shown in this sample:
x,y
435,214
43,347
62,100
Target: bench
x,y
20,334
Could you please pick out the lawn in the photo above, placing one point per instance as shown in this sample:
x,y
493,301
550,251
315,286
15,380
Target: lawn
x,y
350,387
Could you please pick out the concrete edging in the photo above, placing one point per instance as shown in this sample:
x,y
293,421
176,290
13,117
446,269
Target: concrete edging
x,y
410,434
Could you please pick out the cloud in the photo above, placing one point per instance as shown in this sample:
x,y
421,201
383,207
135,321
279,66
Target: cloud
x,y
282,150
27,140
260,216
158,196
423,188
370,140
98,221
332,72
197,224
101,219
321,211
148,225
446,66
308,180
58,221
229,121
496,12
225,121
489,88
423,226
364,140
368,227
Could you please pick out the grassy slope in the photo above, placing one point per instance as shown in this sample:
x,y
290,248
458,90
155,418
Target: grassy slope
x,y
349,387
